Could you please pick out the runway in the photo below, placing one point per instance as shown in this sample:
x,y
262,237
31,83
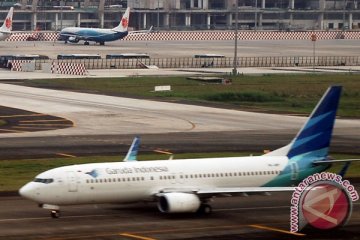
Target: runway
x,y
171,49
265,217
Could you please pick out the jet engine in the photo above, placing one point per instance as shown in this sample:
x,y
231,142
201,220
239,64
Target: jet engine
x,y
178,202
73,39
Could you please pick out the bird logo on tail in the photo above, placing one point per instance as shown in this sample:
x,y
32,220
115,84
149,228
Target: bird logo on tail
x,y
124,22
8,23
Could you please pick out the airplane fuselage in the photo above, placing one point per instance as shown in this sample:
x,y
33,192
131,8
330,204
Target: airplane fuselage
x,y
137,181
75,34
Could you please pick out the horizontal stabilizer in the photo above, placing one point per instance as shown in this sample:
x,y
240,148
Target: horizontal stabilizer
x,y
334,161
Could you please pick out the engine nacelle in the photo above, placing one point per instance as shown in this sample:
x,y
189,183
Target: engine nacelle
x,y
178,202
73,39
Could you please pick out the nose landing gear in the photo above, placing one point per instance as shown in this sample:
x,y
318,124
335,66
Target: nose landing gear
x,y
55,214
54,209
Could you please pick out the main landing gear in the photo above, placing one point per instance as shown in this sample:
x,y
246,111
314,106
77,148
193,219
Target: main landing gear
x,y
204,209
86,43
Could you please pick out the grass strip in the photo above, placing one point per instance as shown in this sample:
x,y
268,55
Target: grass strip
x,y
275,93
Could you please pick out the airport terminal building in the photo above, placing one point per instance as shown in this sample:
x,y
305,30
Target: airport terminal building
x,y
284,15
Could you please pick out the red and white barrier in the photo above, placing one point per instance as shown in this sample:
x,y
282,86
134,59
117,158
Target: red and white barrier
x,y
69,68
17,65
207,36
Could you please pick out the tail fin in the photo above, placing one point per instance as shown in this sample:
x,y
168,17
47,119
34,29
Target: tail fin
x,y
7,25
124,23
133,150
313,140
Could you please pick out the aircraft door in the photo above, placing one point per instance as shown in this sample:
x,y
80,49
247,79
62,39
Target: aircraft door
x,y
72,182
294,171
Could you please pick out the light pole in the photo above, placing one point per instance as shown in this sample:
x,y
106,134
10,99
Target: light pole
x,y
236,37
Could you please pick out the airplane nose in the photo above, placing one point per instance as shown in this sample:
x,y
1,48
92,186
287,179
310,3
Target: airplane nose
x,y
27,191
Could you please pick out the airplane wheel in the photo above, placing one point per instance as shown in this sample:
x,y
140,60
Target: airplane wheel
x,y
102,43
55,214
86,43
205,209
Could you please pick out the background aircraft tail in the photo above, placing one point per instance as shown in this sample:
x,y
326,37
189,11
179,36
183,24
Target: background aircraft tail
x,y
313,140
124,23
7,25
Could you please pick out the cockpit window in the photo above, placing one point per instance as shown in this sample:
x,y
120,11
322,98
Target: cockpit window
x,y
44,180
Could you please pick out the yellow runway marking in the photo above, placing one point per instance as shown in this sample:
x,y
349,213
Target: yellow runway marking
x,y
188,229
66,155
276,230
136,236
24,115
164,152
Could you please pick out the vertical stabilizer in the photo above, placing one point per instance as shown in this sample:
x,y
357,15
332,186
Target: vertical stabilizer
x,y
313,140
7,25
124,23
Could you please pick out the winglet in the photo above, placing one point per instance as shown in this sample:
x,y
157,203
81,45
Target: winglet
x,y
7,25
133,150
124,23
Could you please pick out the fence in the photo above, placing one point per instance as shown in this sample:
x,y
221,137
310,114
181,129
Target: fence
x,y
273,61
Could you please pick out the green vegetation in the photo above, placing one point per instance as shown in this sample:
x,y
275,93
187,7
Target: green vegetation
x,y
15,173
277,93
2,122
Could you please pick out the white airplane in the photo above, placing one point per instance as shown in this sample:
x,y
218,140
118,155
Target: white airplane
x,y
188,185
5,30
99,35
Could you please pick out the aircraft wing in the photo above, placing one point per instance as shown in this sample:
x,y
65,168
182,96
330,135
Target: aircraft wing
x,y
206,193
